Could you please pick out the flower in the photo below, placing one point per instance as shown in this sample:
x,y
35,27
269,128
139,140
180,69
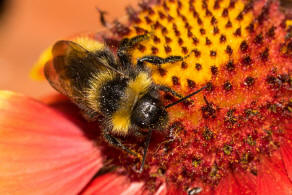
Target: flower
x,y
235,138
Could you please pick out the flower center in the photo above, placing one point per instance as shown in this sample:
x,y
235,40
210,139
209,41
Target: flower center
x,y
205,32
232,47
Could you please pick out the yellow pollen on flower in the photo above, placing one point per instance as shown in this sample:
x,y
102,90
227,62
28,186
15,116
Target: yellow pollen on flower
x,y
288,23
37,70
207,34
5,95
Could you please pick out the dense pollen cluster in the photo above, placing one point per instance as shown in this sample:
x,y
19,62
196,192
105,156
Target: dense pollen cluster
x,y
242,51
196,30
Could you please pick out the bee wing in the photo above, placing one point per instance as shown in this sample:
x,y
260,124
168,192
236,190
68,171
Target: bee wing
x,y
71,69
57,70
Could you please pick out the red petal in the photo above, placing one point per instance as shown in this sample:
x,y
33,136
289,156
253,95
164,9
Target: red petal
x,y
173,190
42,152
55,98
238,183
286,151
227,185
272,178
162,190
289,128
112,184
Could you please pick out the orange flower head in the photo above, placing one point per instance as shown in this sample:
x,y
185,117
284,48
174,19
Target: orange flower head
x,y
240,50
235,136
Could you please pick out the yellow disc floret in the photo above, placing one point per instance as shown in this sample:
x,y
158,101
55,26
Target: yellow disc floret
x,y
206,33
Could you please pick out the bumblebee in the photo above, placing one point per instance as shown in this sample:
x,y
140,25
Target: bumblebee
x,y
101,83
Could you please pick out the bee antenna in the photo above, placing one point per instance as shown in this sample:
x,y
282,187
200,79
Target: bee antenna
x,y
101,17
145,149
205,99
186,97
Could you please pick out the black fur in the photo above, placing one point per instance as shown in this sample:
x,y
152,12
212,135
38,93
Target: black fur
x,y
81,69
108,55
111,94
79,72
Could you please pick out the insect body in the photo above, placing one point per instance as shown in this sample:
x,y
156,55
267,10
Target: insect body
x,y
103,84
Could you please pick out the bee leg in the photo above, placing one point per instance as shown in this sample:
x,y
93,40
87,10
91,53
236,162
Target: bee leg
x,y
155,60
126,45
174,93
139,134
145,150
115,142
169,90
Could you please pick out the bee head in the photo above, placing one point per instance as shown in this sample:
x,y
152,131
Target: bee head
x,y
149,113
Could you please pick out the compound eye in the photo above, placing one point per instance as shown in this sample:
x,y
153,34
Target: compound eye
x,y
148,113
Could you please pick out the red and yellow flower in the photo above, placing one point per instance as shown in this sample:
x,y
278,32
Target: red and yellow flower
x,y
234,139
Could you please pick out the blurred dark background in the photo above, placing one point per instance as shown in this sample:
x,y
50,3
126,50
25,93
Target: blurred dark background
x,y
27,27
